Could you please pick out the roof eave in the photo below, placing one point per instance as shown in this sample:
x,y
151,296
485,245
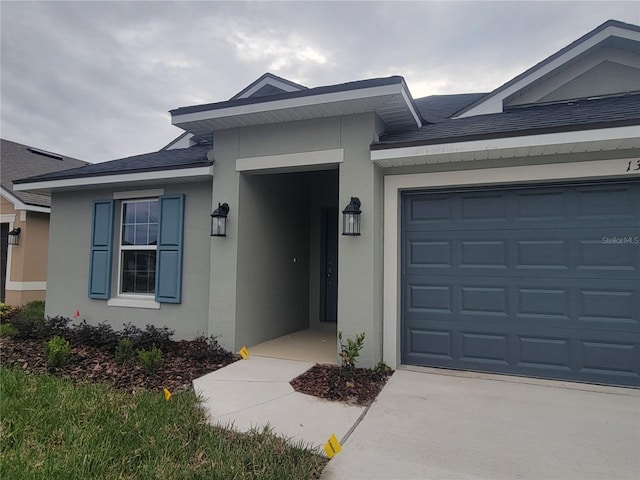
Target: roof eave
x,y
505,147
111,179
392,102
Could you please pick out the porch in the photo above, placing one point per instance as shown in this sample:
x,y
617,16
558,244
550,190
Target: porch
x,y
310,345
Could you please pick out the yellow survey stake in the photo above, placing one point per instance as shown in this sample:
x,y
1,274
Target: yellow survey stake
x,y
244,353
332,447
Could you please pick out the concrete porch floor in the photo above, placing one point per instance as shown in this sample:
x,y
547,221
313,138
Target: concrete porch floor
x,y
310,345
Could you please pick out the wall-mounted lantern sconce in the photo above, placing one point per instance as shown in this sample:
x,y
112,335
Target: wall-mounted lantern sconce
x,y
351,218
14,236
219,220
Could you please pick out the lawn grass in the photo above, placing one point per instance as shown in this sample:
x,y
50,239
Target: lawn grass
x,y
51,428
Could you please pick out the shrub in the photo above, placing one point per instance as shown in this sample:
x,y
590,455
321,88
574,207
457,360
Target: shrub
x,y
58,325
124,350
7,312
57,351
33,309
150,359
151,335
29,328
101,335
203,348
38,328
7,330
351,350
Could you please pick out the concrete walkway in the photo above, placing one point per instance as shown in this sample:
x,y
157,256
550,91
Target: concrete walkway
x,y
470,426
255,392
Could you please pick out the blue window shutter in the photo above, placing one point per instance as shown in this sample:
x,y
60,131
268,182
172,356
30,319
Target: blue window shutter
x,y
101,249
169,255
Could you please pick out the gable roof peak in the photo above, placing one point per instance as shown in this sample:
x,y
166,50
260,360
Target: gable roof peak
x,y
493,101
268,84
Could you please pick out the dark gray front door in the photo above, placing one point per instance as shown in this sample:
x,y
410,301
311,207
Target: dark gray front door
x,y
540,281
329,270
4,245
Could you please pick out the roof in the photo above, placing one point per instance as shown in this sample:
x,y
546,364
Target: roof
x,y
19,161
585,114
267,84
437,108
195,156
341,87
547,62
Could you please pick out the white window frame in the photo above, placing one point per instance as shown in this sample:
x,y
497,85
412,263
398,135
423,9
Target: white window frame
x,y
122,248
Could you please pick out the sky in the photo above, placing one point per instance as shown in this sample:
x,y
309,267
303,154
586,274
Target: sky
x,y
95,80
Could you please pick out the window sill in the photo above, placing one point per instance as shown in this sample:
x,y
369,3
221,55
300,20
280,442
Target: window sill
x,y
133,303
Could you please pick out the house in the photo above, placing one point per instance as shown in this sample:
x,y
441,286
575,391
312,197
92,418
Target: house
x,y
24,222
498,232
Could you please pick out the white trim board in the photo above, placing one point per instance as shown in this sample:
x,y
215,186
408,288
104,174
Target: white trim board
x,y
395,184
510,147
119,178
319,157
25,286
133,303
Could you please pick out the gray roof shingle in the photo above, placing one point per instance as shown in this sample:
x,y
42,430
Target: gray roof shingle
x,y
437,108
19,161
195,156
575,115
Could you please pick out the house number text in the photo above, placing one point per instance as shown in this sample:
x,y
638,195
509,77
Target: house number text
x,y
637,166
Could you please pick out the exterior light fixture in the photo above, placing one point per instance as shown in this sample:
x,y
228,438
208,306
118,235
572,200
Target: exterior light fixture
x,y
351,218
14,236
219,220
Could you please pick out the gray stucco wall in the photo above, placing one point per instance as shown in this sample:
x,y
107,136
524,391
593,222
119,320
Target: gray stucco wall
x,y
273,265
360,270
68,265
238,268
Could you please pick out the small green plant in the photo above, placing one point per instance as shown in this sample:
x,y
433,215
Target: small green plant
x,y
7,312
351,350
382,369
7,330
33,309
124,350
57,350
150,359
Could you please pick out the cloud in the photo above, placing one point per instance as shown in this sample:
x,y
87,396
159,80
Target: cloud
x,y
95,80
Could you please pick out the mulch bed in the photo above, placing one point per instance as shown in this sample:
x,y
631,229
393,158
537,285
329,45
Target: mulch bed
x,y
92,364
98,365
358,386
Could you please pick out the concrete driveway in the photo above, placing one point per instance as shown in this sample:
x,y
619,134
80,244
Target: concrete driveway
x,y
464,425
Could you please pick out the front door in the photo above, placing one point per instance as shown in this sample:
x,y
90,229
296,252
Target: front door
x,y
329,270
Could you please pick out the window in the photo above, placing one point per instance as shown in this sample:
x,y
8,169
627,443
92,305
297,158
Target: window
x,y
148,245
138,245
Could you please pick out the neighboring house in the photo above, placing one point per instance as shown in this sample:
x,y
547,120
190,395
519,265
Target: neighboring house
x,y
499,231
24,218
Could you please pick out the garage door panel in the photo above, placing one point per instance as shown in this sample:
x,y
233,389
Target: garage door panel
x,y
615,309
544,352
430,344
608,357
541,282
595,254
484,348
568,253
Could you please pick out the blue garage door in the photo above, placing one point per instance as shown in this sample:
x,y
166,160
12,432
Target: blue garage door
x,y
535,281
